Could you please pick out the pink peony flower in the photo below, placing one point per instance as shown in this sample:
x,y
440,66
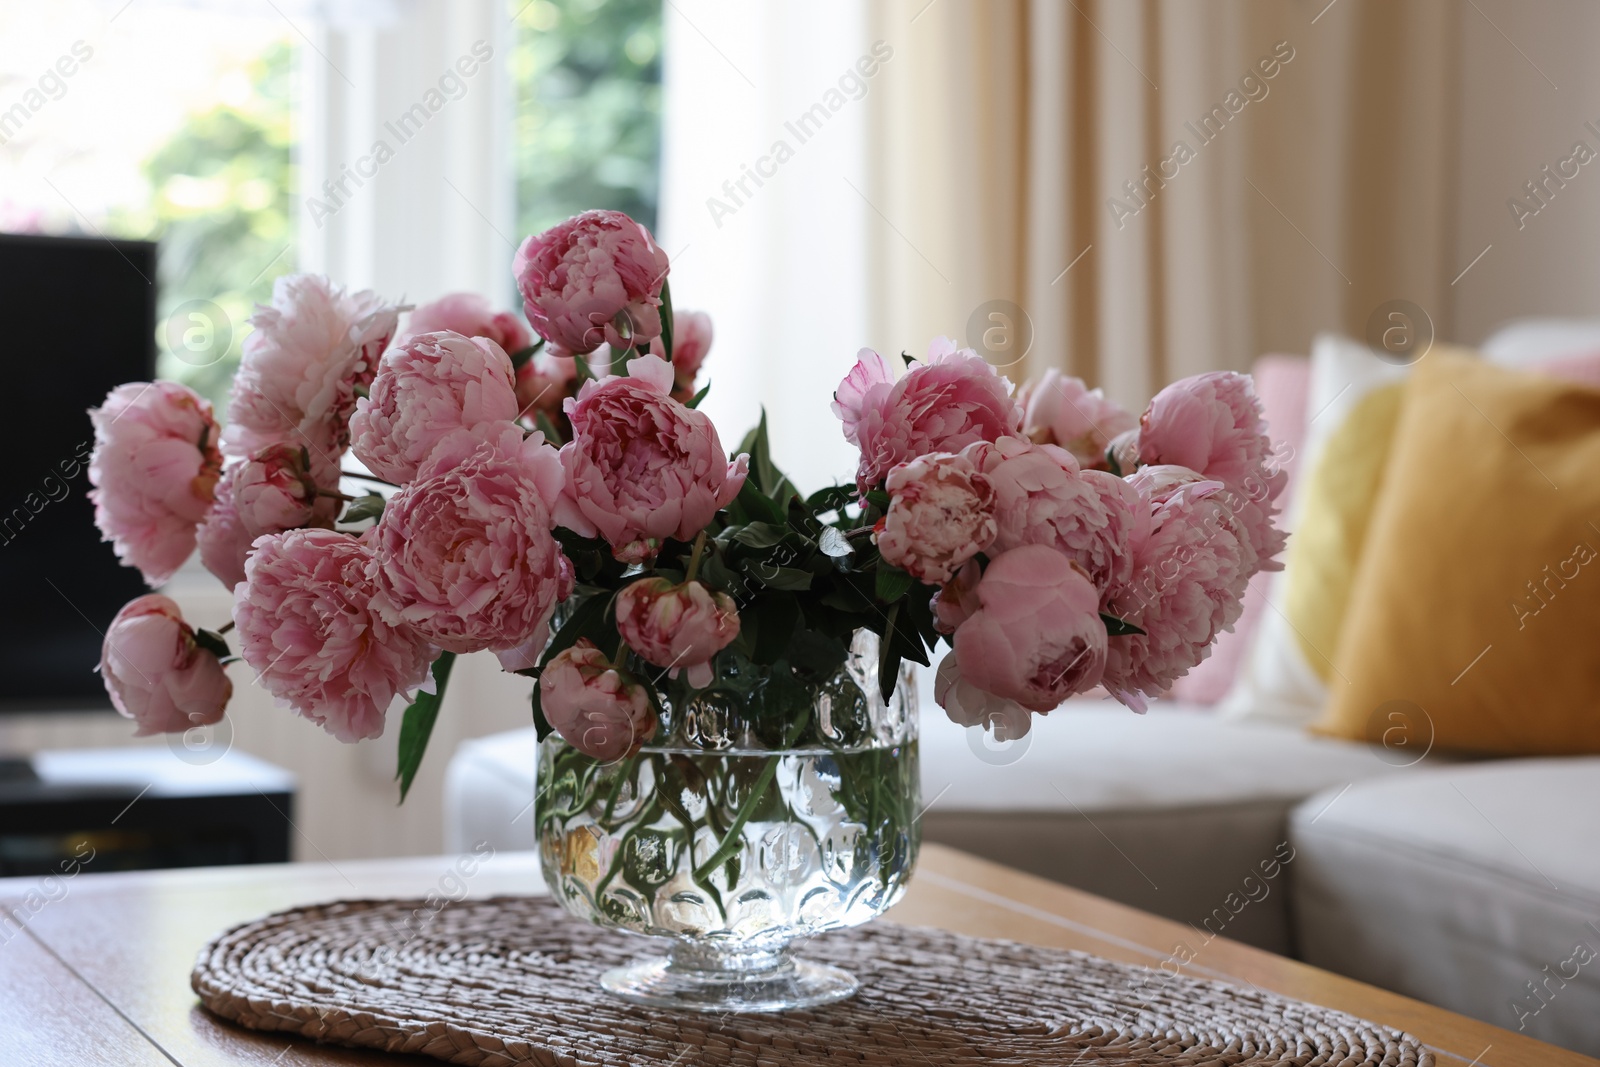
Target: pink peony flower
x,y
866,388
967,705
463,554
1037,637
1255,511
1041,498
544,383
641,466
224,540
951,401
425,389
1210,423
472,316
957,599
154,469
1187,584
310,352
1214,424
691,340
307,628
595,278
156,673
677,626
593,706
1061,410
275,490
941,514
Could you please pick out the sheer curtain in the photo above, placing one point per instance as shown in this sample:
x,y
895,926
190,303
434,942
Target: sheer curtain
x,y
1031,153
1023,151
766,124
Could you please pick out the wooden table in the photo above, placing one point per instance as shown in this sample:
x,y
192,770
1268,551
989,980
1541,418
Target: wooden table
x,y
100,974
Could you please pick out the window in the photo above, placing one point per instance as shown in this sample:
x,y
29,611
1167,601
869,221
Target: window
x,y
587,78
174,124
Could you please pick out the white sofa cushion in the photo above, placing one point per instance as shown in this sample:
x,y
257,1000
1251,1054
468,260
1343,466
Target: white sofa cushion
x,y
1169,811
1099,756
1459,886
1526,341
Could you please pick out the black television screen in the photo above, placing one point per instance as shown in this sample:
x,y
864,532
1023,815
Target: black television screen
x,y
80,317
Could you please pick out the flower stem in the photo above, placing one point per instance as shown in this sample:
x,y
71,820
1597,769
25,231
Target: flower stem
x,y
694,557
335,494
758,792
628,771
224,628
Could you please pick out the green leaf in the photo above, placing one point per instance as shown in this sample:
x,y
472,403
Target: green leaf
x,y
892,583
817,653
756,506
367,506
521,356
833,543
212,642
717,574
667,323
585,373
694,401
790,578
417,725
888,659
541,725
833,498
768,478
1111,462
778,616
548,428
588,619
878,499
761,535
848,597
1116,627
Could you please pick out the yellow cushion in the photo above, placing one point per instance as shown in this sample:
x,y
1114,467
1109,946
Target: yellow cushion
x,y
1476,599
1336,509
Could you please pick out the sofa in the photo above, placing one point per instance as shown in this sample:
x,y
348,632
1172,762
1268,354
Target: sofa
x,y
1470,884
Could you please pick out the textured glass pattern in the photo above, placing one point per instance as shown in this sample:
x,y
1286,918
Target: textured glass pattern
x,y
762,812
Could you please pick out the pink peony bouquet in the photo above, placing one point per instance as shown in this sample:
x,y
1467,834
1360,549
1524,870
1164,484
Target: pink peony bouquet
x,y
554,497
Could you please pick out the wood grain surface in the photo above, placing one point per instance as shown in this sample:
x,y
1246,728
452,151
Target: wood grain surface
x,y
101,975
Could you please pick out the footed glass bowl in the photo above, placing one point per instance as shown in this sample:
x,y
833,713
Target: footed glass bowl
x,y
769,807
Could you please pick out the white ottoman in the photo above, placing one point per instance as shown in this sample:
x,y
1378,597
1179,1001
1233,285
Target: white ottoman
x,y
1473,887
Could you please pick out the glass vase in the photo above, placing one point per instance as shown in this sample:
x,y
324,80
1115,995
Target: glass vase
x,y
769,807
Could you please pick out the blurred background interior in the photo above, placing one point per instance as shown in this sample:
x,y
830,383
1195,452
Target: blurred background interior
x,y
1130,192
824,176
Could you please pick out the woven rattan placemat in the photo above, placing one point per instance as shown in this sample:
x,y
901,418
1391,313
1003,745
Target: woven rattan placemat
x,y
513,980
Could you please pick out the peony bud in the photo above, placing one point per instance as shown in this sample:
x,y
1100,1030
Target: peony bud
x,y
595,708
273,491
157,674
593,279
677,626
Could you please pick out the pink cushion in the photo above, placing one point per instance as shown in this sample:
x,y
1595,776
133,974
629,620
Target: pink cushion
x,y
1284,385
1583,368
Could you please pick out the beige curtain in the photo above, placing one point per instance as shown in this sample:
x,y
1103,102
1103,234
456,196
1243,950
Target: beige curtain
x,y
1007,133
